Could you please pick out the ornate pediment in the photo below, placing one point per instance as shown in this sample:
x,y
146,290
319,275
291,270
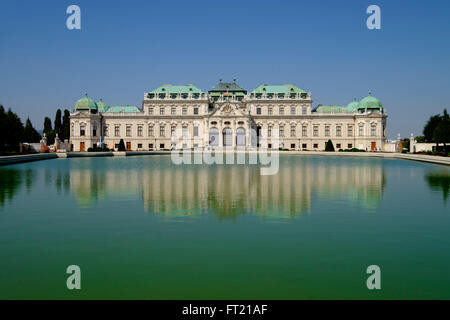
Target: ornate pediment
x,y
228,109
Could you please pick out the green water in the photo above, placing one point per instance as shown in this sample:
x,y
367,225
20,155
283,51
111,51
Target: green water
x,y
142,227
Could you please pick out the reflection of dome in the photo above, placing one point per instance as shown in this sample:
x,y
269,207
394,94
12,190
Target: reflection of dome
x,y
102,107
370,102
85,103
352,106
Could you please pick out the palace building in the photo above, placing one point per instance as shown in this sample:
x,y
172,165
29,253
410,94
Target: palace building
x,y
228,116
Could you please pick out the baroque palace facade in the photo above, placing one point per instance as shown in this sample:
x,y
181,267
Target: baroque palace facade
x,y
228,116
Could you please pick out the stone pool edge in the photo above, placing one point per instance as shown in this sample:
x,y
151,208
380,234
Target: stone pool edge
x,y
8,160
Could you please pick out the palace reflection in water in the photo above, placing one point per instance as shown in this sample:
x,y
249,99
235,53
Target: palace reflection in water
x,y
230,190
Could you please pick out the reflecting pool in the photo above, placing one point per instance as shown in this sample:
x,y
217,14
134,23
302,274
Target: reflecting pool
x,y
142,227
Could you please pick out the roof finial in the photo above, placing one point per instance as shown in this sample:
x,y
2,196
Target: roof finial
x,y
234,80
220,80
354,98
85,94
370,92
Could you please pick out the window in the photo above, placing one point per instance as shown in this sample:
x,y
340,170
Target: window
x,y
185,131
139,132
304,110
150,111
361,130
292,131
292,145
373,130
338,145
270,111
105,131
304,145
161,145
139,145
82,130
327,131
184,110
338,131
269,131
281,131
162,130
258,110
292,110
72,130
350,146
316,131
173,111
116,131
172,131
281,110
150,146
94,131
195,110
161,111
269,146
150,131
350,131
304,132
195,131
315,146
128,130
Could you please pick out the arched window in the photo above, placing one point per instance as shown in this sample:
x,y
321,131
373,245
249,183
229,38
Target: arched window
x,y
214,137
240,137
227,137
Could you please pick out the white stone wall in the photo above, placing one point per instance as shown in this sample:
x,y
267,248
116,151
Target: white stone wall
x,y
144,129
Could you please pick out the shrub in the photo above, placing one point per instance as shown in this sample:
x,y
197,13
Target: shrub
x,y
121,145
329,146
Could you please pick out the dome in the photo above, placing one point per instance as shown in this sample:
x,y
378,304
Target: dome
x,y
370,102
352,106
102,107
85,103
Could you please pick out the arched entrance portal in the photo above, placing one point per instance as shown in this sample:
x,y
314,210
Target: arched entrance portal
x,y
227,137
214,137
240,137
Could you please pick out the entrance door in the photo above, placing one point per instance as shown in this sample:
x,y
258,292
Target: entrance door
x,y
227,137
81,146
240,137
373,146
128,146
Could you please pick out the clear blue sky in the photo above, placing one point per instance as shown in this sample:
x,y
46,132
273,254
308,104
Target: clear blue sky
x,y
126,48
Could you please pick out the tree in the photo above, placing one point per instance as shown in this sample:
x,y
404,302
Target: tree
x,y
121,145
420,139
49,133
2,129
442,132
66,125
13,131
329,146
30,134
428,130
58,125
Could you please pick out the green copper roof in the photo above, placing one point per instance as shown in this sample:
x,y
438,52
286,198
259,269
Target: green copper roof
x,y
352,106
85,103
125,109
370,102
287,88
227,86
330,109
167,88
102,107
